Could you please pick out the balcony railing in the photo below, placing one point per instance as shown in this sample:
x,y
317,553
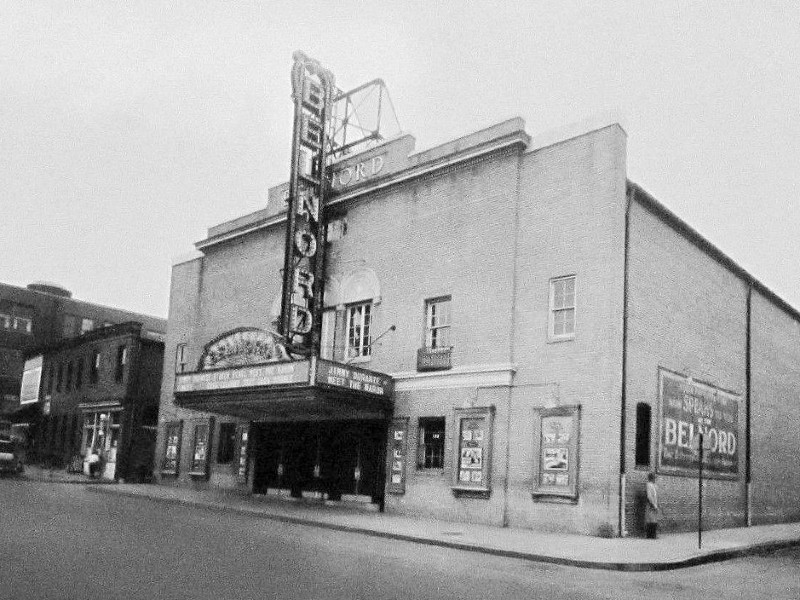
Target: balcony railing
x,y
434,359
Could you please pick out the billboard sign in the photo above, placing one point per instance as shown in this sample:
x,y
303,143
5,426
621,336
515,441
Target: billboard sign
x,y
31,381
688,408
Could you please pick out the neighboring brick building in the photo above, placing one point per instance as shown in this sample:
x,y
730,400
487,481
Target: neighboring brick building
x,y
44,313
100,392
551,332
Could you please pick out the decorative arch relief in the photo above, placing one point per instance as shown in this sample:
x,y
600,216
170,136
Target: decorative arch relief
x,y
243,346
357,286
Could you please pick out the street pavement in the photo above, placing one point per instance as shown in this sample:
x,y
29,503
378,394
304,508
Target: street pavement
x,y
68,541
670,551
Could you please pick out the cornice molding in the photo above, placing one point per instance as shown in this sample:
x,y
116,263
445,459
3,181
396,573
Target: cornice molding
x,y
492,375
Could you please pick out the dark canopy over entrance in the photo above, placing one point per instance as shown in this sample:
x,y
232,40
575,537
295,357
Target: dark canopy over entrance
x,y
313,389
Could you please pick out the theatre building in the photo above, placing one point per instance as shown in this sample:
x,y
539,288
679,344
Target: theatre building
x,y
513,333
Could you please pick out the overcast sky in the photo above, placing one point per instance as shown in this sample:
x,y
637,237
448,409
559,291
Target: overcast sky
x,y
129,128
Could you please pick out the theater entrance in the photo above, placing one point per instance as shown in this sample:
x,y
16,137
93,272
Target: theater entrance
x,y
327,459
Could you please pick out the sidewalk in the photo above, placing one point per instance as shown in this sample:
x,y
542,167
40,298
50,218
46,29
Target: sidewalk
x,y
37,473
670,551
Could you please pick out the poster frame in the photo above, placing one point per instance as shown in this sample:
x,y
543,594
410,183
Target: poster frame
x,y
460,415
167,426
196,468
397,424
545,492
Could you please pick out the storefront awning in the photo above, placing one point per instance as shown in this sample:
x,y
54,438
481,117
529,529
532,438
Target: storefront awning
x,y
312,389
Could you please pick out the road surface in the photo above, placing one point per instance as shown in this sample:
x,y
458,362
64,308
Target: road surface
x,y
65,542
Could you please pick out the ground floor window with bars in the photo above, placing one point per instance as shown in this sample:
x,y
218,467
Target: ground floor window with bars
x,y
430,443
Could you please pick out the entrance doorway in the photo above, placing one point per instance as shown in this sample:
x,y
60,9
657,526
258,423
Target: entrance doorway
x,y
334,458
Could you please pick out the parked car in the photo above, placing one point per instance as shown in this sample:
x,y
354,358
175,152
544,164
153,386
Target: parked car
x,y
10,459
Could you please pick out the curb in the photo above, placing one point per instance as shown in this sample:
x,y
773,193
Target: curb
x,y
43,479
61,481
710,557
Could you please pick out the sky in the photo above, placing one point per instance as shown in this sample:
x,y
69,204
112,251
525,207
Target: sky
x,y
127,129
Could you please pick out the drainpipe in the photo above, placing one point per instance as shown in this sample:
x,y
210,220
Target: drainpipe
x,y
512,334
747,404
623,390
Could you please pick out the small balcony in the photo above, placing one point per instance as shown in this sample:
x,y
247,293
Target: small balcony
x,y
434,359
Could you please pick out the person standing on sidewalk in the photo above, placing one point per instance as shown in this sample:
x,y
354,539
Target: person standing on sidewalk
x,y
652,508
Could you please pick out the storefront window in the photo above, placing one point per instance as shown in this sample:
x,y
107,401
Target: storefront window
x,y
101,434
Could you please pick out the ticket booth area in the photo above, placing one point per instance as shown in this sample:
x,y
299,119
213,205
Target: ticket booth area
x,y
318,428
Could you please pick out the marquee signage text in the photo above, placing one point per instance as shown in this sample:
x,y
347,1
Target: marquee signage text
x,y
358,172
301,302
357,380
246,377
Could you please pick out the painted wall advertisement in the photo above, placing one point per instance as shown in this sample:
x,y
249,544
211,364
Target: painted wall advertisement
x,y
687,408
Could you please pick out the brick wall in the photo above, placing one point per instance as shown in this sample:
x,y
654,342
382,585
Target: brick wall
x,y
571,222
686,313
775,406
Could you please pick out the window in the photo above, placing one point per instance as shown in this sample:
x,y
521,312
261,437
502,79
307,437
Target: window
x,y
643,414
69,375
122,358
180,358
227,443
358,334
79,374
14,323
430,443
59,376
23,325
437,323
101,432
51,375
69,326
86,325
94,368
562,308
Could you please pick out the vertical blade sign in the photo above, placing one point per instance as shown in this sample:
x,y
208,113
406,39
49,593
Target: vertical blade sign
x,y
304,259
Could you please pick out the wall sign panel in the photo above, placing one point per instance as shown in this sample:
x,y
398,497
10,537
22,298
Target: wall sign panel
x,y
398,455
556,432
201,451
170,461
240,465
472,443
